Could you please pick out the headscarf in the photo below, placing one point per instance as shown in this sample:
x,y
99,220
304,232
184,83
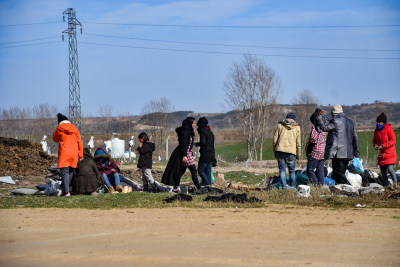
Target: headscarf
x,y
314,120
202,124
187,123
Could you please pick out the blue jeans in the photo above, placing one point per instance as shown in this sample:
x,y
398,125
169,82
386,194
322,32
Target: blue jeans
x,y
204,170
317,164
113,178
289,160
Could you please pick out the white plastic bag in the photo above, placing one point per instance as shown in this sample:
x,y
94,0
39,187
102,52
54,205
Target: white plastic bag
x,y
354,179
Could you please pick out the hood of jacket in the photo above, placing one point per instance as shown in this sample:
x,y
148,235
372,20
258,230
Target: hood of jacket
x,y
152,145
100,153
181,129
289,125
202,124
67,128
87,154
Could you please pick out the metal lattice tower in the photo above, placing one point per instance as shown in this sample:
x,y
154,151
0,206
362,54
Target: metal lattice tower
x,y
74,88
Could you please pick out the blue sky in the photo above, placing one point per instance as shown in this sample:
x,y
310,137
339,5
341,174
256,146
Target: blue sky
x,y
127,78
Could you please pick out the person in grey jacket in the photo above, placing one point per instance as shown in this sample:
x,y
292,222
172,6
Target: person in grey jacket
x,y
342,143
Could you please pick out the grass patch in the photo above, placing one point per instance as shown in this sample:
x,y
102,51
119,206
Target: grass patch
x,y
320,197
246,177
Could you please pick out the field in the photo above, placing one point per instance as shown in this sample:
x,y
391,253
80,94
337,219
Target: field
x,y
229,151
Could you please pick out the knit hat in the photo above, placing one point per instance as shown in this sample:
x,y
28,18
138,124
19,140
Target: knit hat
x,y
61,118
337,109
291,115
382,118
202,124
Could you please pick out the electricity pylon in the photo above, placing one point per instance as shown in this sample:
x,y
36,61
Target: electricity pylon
x,y
74,88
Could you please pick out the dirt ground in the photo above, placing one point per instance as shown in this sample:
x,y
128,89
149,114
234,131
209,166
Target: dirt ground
x,y
273,236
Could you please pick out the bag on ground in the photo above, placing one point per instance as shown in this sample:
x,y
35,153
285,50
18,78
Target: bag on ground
x,y
356,166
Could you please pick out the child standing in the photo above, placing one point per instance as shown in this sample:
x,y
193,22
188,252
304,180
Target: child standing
x,y
145,149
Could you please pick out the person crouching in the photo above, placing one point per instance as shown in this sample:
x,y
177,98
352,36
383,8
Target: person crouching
x,y
108,169
145,150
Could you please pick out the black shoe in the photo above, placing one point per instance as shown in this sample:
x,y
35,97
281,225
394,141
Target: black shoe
x,y
154,187
146,188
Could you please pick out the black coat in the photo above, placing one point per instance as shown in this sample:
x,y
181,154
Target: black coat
x,y
172,174
146,155
342,142
88,178
207,151
184,134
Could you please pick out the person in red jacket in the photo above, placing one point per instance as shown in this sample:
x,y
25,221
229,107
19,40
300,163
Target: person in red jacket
x,y
108,169
384,141
70,149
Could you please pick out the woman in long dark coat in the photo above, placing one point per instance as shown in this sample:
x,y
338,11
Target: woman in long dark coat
x,y
182,157
88,178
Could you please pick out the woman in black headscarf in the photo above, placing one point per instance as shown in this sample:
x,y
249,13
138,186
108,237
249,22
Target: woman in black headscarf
x,y
182,157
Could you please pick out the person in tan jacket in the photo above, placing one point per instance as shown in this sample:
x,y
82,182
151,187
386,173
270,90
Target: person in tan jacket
x,y
287,146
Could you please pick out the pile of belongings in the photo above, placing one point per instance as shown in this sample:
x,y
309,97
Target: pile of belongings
x,y
349,190
23,158
178,197
53,171
230,197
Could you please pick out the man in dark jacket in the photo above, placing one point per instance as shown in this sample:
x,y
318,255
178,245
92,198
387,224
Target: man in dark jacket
x,y
207,151
342,143
108,169
88,178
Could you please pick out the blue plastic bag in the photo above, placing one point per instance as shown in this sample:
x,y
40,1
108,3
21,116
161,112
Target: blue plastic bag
x,y
329,181
356,166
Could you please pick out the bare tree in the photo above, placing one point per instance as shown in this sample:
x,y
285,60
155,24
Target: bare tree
x,y
251,89
158,114
106,112
304,104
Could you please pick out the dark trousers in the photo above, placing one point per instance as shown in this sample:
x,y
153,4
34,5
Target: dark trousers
x,y
66,177
318,166
193,171
339,167
204,169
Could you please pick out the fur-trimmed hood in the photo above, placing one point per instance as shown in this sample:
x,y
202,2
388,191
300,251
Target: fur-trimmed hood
x,y
100,153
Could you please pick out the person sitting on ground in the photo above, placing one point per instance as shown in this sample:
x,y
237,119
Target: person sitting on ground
x,y
182,157
207,151
145,162
70,149
384,141
109,170
286,146
315,149
342,143
88,178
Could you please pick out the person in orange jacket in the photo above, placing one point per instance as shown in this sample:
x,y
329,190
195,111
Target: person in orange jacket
x,y
70,149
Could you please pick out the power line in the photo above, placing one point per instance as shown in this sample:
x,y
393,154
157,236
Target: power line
x,y
30,44
29,24
243,26
31,40
229,53
250,46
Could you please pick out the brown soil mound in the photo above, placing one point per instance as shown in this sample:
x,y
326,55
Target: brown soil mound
x,y
21,158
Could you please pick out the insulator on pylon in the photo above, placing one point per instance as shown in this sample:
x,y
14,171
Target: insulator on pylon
x,y
63,18
81,30
63,37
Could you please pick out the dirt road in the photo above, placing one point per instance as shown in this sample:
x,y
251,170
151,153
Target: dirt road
x,y
273,236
